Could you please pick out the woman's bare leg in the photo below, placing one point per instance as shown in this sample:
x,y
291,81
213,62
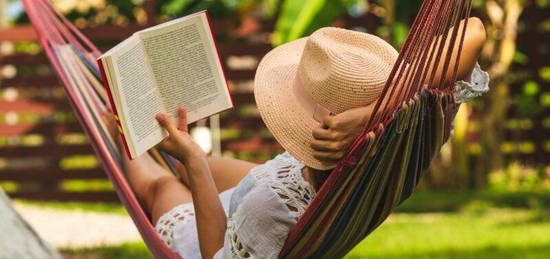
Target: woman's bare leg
x,y
156,188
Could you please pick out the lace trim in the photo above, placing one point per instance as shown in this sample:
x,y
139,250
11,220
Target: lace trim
x,y
289,183
284,176
180,214
238,250
478,84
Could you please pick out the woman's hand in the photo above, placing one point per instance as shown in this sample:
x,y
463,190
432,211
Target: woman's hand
x,y
179,143
333,137
211,220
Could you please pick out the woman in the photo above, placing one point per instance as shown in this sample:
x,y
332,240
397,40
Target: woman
x,y
314,94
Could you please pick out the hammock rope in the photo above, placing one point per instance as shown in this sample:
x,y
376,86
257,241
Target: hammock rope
x,y
382,167
379,171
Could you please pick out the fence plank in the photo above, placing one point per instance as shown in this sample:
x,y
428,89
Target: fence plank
x,y
31,81
25,59
18,33
66,196
49,174
26,105
46,128
46,151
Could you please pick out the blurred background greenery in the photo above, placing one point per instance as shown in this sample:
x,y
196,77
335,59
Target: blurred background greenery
x,y
487,194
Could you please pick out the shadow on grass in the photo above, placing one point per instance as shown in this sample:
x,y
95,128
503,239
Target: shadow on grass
x,y
538,216
425,201
519,252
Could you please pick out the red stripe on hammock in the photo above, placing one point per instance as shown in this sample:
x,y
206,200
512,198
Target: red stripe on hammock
x,y
49,38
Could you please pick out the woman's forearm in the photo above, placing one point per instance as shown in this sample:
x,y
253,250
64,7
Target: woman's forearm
x,y
473,42
209,213
211,219
337,132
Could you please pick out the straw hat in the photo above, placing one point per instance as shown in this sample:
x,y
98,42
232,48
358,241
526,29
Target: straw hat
x,y
331,71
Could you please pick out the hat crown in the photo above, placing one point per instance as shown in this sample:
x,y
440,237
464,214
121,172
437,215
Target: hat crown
x,y
342,69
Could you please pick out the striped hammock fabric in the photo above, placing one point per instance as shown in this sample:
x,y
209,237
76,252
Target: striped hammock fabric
x,y
379,171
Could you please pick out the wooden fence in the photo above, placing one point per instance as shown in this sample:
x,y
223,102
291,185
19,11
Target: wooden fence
x,y
44,154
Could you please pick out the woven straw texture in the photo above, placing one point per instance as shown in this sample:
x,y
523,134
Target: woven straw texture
x,y
339,69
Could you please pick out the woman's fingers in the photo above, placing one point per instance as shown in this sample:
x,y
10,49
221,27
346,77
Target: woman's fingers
x,y
166,123
182,119
332,122
110,123
329,157
323,145
322,134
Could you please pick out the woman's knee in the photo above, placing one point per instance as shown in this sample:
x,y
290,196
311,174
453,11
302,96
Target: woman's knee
x,y
157,186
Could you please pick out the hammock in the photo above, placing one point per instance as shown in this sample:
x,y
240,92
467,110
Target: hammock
x,y
378,172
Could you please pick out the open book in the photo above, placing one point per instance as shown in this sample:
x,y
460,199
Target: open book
x,y
158,69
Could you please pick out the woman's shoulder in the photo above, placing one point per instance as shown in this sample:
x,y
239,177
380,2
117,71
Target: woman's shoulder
x,y
278,181
281,161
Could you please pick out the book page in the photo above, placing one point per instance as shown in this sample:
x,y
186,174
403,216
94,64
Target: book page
x,y
138,98
186,67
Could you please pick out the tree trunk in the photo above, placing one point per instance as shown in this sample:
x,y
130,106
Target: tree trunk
x,y
497,57
499,53
18,239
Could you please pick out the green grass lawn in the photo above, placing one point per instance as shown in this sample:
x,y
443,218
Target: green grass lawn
x,y
495,233
437,225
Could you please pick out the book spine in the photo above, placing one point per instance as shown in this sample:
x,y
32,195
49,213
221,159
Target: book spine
x,y
113,107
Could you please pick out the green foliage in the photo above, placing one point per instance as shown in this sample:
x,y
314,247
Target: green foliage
x,y
124,7
478,3
545,100
544,73
400,32
542,3
299,18
216,8
115,9
405,12
176,6
79,162
521,58
518,178
89,185
526,101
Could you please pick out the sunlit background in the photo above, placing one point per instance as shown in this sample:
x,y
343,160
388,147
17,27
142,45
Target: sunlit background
x,y
487,194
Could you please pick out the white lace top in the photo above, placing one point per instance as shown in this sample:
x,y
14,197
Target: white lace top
x,y
266,204
264,207
261,210
477,85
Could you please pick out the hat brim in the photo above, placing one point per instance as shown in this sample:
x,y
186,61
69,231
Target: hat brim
x,y
289,122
